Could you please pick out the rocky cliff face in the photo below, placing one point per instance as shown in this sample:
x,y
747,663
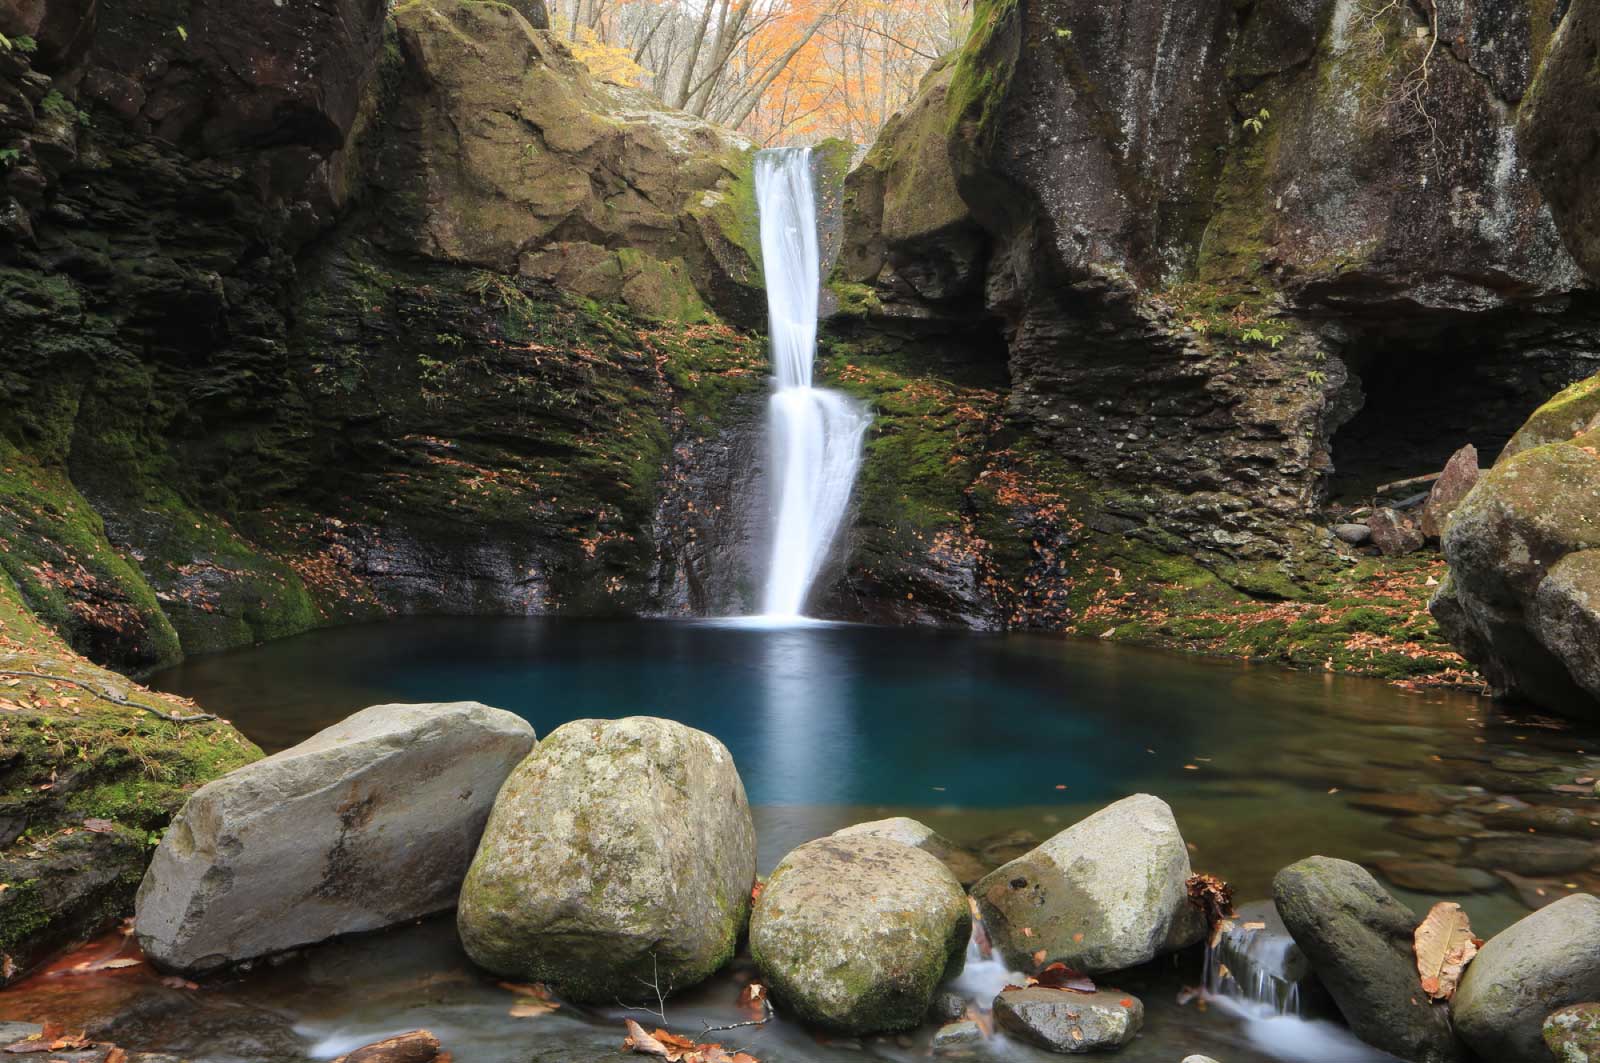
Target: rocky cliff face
x,y
1240,261
320,317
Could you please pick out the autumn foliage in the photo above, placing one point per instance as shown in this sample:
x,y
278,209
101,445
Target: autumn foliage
x,y
780,70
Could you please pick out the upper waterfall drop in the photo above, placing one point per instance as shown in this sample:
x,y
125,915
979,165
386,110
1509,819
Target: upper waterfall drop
x,y
816,434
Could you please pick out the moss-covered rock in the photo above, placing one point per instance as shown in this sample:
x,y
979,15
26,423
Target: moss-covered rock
x,y
618,859
513,147
855,932
92,767
1523,600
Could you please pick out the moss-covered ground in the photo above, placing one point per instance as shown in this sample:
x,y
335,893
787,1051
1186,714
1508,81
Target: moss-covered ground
x,y
949,487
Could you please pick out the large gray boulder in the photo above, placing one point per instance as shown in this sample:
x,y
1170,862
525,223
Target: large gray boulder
x,y
1359,941
369,823
856,933
619,858
963,863
1540,964
1109,892
1061,1021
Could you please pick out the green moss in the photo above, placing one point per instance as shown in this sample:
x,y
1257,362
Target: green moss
x,y
982,75
1565,415
55,554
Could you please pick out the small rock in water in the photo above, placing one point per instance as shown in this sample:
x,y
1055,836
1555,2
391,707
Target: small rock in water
x,y
1534,854
1435,876
1062,1021
957,1035
1198,1059
1395,533
1412,804
1108,893
997,849
1354,534
856,933
418,1046
1540,964
1573,1034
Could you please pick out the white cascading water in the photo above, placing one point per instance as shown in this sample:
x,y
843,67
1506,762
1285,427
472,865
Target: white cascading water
x,y
816,433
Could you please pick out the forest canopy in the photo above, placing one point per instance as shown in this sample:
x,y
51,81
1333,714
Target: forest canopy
x,y
779,70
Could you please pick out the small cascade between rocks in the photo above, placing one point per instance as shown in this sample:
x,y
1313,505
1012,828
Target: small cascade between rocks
x,y
1256,973
816,434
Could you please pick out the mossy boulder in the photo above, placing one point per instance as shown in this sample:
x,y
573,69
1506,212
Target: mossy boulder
x,y
1359,941
512,148
1107,893
855,932
618,860
1541,963
905,222
1523,599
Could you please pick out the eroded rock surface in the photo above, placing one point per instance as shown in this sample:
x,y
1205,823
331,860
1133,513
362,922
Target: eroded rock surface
x,y
367,824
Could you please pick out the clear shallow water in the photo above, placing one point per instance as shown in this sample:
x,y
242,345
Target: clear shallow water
x,y
982,737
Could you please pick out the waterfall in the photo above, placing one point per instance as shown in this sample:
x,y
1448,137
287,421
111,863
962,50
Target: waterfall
x,y
815,433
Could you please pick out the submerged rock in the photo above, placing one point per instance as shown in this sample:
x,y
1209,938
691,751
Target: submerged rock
x,y
963,863
1061,1021
1541,963
369,823
856,933
1109,892
1533,854
419,1046
1359,941
618,859
957,1036
1573,1034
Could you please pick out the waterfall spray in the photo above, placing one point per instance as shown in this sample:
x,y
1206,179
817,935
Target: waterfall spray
x,y
816,433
